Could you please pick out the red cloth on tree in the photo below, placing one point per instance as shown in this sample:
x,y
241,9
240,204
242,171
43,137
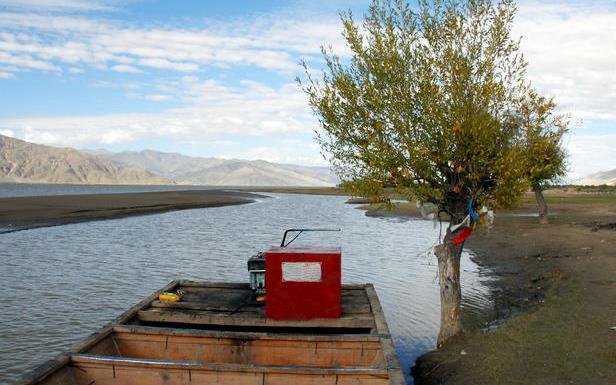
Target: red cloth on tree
x,y
462,236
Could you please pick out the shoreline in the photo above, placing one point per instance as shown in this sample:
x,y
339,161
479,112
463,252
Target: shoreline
x,y
554,293
23,213
297,190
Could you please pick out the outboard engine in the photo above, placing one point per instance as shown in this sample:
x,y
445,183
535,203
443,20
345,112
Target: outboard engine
x,y
256,271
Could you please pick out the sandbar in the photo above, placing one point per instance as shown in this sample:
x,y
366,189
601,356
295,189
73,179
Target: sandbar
x,y
21,213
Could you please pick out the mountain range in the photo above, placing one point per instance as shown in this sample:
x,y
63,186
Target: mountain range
x,y
600,178
26,162
221,172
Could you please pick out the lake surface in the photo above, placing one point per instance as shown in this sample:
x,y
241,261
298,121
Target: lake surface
x,y
62,283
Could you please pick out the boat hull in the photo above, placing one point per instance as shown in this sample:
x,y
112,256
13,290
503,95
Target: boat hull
x,y
218,335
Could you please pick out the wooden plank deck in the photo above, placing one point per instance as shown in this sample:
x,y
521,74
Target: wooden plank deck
x,y
232,305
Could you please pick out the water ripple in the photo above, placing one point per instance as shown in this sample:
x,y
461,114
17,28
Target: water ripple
x,y
62,283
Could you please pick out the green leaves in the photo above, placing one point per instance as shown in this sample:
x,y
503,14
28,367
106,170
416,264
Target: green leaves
x,y
543,131
434,101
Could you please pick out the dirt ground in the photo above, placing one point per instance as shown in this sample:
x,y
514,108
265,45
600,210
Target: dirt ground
x,y
555,299
22,213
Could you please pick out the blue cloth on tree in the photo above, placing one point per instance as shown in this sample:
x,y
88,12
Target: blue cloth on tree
x,y
469,211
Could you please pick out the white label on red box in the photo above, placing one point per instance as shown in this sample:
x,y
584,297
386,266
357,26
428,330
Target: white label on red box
x,y
301,271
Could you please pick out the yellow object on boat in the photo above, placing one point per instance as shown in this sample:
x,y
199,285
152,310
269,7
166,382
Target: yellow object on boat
x,y
171,297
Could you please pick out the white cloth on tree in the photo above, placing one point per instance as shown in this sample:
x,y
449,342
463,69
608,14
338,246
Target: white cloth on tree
x,y
465,223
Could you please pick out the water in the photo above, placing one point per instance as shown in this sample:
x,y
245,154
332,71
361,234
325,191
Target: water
x,y
62,283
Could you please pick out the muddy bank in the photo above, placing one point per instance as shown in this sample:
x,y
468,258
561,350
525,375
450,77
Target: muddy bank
x,y
22,213
554,300
404,210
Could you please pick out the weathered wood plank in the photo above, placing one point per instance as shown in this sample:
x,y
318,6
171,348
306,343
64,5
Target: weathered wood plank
x,y
396,377
222,367
109,374
255,308
156,330
288,340
236,285
220,285
232,298
208,318
377,310
277,352
198,305
221,290
92,339
131,312
238,300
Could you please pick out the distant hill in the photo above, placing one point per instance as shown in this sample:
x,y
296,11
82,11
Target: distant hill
x,y
603,177
24,162
221,172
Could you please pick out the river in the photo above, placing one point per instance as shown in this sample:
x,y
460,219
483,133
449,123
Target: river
x,y
62,283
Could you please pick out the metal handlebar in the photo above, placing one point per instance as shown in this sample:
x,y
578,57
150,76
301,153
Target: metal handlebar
x,y
299,232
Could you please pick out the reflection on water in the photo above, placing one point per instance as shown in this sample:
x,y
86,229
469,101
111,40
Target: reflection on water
x,y
62,283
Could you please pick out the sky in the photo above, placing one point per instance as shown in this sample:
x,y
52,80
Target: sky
x,y
212,78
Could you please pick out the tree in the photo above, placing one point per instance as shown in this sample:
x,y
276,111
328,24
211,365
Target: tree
x,y
429,101
544,130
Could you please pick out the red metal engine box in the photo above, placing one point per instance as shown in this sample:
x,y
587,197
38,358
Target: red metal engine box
x,y
302,282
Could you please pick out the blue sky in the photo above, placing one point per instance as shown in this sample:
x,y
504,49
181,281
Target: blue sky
x,y
211,78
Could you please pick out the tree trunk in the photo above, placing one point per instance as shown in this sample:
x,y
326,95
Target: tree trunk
x,y
541,206
448,256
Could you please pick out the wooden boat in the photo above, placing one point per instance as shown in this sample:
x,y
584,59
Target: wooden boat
x,y
218,334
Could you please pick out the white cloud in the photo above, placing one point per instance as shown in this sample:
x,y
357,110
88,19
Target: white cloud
x,y
30,24
23,62
132,85
211,111
284,151
274,43
158,97
571,49
59,5
117,136
591,153
126,68
167,64
6,75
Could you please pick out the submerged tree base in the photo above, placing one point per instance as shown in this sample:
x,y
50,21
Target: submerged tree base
x,y
448,256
